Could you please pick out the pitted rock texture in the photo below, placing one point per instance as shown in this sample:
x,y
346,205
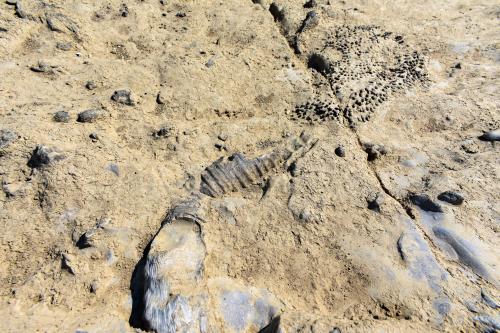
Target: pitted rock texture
x,y
364,66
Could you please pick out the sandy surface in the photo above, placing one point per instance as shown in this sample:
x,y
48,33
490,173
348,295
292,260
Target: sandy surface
x,y
331,241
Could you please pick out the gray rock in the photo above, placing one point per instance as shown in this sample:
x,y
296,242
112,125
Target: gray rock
x,y
465,255
123,97
210,63
41,67
375,201
59,22
492,323
90,116
163,132
64,46
11,2
489,300
43,156
491,136
114,169
421,262
94,137
7,137
90,85
374,151
61,117
123,10
175,258
20,10
67,263
451,197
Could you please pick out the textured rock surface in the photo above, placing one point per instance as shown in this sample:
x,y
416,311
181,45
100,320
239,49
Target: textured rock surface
x,y
118,237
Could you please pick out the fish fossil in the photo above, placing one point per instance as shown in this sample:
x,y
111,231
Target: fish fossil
x,y
238,172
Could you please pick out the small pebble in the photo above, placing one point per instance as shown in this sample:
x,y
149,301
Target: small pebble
x,y
425,203
222,136
114,169
180,14
160,98
164,132
94,286
310,4
90,85
210,63
7,137
123,97
20,11
94,137
491,136
61,117
277,12
340,151
451,197
374,151
470,147
90,116
66,263
123,10
375,201
64,46
41,67
43,156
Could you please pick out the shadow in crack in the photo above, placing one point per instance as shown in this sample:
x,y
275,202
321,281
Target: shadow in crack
x,y
137,291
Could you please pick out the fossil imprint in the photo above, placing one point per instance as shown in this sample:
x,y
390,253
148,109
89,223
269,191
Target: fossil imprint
x,y
174,264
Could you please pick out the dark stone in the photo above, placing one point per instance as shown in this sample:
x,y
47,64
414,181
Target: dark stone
x,y
425,203
310,4
94,137
163,132
123,97
340,151
311,20
277,12
491,136
375,201
61,117
90,116
374,151
7,137
319,63
90,85
123,10
180,14
451,197
43,156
